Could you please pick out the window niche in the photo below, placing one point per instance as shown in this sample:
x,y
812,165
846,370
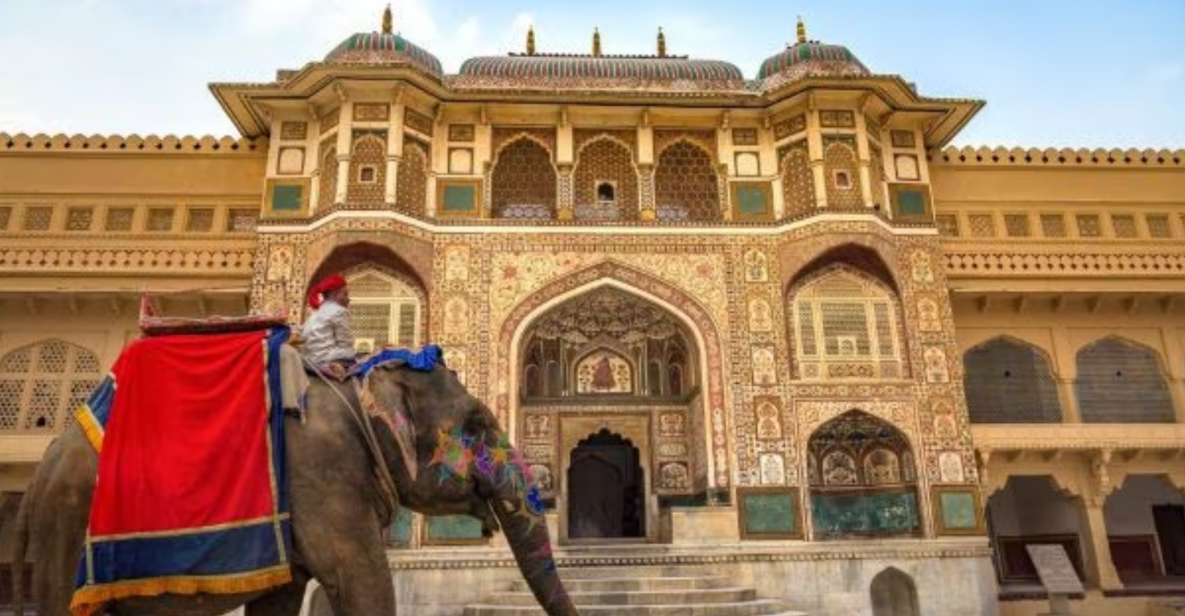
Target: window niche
x,y
845,325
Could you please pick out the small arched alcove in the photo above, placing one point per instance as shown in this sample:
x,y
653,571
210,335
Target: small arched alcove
x,y
894,594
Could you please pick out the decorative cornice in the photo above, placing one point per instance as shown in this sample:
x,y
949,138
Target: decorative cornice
x,y
820,551
1114,158
169,144
493,226
1084,437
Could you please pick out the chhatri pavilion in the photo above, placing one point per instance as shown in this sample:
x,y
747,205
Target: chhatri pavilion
x,y
771,329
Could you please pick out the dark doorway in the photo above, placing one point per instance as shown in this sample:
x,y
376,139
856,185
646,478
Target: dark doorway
x,y
1170,528
605,492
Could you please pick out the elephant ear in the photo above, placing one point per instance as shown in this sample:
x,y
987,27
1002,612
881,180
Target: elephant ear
x,y
392,410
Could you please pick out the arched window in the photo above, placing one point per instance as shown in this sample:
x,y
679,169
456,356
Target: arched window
x,y
411,188
1121,381
327,177
685,184
605,182
843,187
42,383
861,488
845,325
523,182
1009,382
367,184
385,310
798,183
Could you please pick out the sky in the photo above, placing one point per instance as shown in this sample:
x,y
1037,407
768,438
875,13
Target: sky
x,y
1054,73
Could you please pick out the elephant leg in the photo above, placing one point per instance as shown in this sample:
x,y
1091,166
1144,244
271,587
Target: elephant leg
x,y
284,601
338,536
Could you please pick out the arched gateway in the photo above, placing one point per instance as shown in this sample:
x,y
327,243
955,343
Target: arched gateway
x,y
608,404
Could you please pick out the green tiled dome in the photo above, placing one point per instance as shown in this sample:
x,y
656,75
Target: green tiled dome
x,y
813,57
383,48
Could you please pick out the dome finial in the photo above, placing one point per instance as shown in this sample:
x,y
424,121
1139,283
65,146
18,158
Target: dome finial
x,y
531,40
596,51
388,25
662,43
801,30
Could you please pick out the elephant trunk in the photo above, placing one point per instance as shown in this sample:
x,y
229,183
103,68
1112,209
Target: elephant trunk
x,y
526,531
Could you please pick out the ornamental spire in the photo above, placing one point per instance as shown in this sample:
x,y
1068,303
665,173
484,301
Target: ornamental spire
x,y
662,43
596,51
801,30
531,40
388,25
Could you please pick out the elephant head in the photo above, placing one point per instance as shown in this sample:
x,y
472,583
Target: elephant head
x,y
464,463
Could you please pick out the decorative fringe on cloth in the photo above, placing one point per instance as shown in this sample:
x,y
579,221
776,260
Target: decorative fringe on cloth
x,y
190,496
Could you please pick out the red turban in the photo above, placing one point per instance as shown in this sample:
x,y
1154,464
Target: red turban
x,y
325,285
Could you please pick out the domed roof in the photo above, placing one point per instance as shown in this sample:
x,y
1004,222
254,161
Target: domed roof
x,y
811,57
598,71
624,68
383,48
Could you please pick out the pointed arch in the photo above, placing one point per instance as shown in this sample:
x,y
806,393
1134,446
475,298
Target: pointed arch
x,y
411,188
704,336
1008,380
1121,380
862,488
367,183
844,323
327,178
397,316
686,184
605,158
523,179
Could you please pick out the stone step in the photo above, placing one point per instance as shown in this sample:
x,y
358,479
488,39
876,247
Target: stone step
x,y
635,583
756,607
621,572
698,597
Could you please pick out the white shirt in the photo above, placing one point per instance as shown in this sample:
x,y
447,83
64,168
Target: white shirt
x,y
327,335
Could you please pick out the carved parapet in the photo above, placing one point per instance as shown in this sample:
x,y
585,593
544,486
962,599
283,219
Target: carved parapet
x,y
223,261
187,144
1076,262
1065,157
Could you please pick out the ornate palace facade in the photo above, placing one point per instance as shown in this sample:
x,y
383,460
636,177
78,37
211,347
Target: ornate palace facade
x,y
774,322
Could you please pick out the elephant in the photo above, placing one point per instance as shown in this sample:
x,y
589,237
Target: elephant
x,y
337,514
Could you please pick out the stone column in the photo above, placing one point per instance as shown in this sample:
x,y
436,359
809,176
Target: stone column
x,y
345,137
1065,372
1099,568
394,150
563,192
646,204
343,178
865,159
1069,400
814,145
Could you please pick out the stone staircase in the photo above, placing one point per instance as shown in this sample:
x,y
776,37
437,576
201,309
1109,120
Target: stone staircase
x,y
639,591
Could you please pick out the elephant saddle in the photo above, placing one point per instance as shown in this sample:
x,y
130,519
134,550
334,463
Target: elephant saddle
x,y
189,497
